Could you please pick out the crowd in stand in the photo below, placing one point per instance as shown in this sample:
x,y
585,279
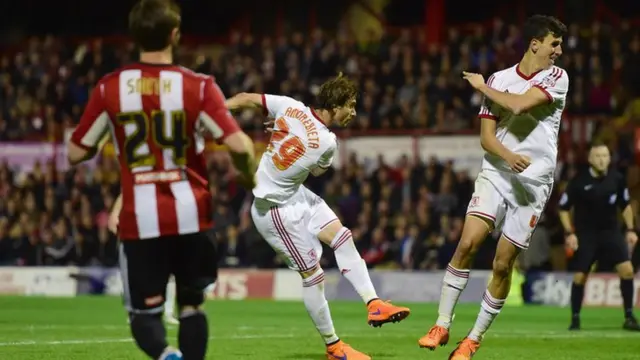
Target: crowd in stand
x,y
405,215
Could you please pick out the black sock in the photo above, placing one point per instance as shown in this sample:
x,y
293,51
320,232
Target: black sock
x,y
193,336
626,288
149,333
577,294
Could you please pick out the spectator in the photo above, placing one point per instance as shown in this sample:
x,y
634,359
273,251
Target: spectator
x,y
408,213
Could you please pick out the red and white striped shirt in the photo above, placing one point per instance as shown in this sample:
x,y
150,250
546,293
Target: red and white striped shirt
x,y
155,114
535,132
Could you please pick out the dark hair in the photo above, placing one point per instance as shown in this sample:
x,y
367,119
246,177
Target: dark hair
x,y
151,23
336,92
539,26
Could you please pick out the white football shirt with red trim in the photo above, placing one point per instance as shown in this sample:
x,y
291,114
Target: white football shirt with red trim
x,y
535,132
299,143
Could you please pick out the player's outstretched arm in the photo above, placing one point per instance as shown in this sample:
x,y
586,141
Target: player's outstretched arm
x,y
516,103
243,101
216,118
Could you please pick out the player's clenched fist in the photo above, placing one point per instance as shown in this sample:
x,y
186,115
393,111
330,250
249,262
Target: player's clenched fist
x,y
571,242
517,162
476,80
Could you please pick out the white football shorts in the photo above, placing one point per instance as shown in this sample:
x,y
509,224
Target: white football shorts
x,y
511,202
292,229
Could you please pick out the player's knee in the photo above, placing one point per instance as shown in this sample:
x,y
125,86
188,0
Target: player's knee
x,y
502,267
625,270
580,278
189,296
467,247
331,231
309,273
473,234
313,279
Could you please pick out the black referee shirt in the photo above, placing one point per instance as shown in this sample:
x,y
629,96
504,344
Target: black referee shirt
x,y
595,200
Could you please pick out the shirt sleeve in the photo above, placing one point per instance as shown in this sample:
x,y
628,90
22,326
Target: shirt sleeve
x,y
326,159
555,85
568,196
623,193
94,122
274,104
215,116
485,108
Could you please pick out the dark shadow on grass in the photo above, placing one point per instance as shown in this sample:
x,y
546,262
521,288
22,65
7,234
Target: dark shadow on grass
x,y
317,356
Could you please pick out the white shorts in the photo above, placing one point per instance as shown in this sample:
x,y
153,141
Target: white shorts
x,y
292,229
511,202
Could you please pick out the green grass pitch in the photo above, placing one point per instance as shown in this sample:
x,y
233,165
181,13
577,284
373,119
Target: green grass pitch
x,y
95,328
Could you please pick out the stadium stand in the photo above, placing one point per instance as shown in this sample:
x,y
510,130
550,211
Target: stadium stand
x,y
49,216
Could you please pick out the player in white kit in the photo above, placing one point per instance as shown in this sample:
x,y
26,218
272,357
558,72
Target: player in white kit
x,y
520,121
294,220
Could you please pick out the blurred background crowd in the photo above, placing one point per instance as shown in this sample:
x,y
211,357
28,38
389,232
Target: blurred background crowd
x,y
404,214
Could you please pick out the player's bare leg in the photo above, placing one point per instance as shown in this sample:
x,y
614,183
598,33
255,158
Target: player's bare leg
x,y
474,232
318,309
493,299
625,271
354,269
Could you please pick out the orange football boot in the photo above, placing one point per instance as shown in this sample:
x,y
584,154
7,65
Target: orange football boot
x,y
465,350
437,336
382,312
342,351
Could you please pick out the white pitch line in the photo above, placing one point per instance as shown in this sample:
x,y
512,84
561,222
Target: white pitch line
x,y
64,342
126,340
517,334
33,328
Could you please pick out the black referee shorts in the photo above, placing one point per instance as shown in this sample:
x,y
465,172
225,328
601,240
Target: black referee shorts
x,y
606,246
146,265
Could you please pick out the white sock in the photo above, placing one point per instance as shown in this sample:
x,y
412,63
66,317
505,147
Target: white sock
x,y
170,298
453,284
352,266
489,309
318,307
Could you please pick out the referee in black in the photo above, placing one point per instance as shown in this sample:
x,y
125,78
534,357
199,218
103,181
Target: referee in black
x,y
595,195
